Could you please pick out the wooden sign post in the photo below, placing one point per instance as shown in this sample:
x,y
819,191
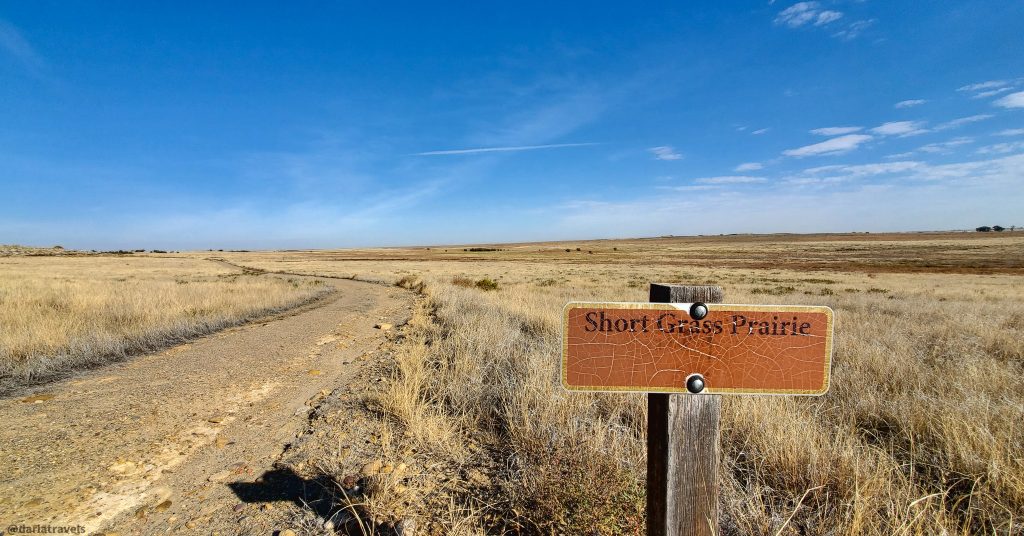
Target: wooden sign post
x,y
685,341
682,445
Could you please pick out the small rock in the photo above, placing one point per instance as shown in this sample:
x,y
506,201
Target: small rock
x,y
216,420
286,532
383,326
220,476
315,372
266,507
350,481
190,524
239,507
221,442
163,506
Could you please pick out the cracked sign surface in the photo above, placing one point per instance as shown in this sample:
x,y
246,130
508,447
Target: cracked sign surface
x,y
739,349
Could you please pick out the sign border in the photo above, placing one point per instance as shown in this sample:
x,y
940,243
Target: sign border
x,y
829,336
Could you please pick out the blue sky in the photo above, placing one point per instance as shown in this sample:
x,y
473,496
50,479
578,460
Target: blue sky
x,y
319,124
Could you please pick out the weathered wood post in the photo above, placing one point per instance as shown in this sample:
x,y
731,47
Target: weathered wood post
x,y
704,349
683,445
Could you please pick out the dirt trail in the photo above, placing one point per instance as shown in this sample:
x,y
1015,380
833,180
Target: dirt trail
x,y
151,444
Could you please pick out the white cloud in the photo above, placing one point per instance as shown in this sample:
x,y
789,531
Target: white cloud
x,y
991,84
921,198
963,121
749,166
864,170
730,179
665,152
802,13
760,131
838,145
945,146
1013,100
826,17
798,14
835,131
910,103
1011,132
990,88
503,149
1002,148
900,128
854,29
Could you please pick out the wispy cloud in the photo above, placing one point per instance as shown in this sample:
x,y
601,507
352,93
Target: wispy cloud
x,y
900,128
986,89
760,131
503,149
910,103
854,29
945,146
1002,148
835,131
665,152
980,86
729,179
1011,132
749,166
1013,100
842,144
963,121
806,13
15,45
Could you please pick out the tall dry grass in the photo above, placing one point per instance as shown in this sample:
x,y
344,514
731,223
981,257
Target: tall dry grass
x,y
920,434
58,314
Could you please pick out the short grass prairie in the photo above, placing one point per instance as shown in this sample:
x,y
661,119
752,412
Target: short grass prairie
x,y
62,313
921,432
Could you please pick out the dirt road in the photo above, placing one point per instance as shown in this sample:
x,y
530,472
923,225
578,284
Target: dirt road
x,y
151,445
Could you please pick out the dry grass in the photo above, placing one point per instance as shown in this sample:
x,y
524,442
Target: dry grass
x,y
920,434
61,313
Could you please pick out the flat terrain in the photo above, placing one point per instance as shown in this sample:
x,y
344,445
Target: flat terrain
x,y
58,314
152,443
454,421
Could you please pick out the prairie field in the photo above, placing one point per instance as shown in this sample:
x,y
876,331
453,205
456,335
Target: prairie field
x,y
62,313
921,432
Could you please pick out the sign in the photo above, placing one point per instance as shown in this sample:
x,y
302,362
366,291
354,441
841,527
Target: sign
x,y
727,349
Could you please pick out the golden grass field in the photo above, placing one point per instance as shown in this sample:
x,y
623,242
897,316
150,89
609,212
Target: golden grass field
x,y
921,432
62,313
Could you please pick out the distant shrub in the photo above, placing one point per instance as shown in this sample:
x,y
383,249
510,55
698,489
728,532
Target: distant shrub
x,y
983,229
487,284
412,283
874,290
775,291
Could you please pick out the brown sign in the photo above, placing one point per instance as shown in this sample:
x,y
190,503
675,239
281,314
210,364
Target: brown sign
x,y
738,349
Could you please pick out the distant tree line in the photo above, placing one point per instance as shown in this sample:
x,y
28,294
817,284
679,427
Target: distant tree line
x,y
995,228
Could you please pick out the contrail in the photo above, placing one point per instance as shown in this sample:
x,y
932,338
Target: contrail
x,y
504,149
